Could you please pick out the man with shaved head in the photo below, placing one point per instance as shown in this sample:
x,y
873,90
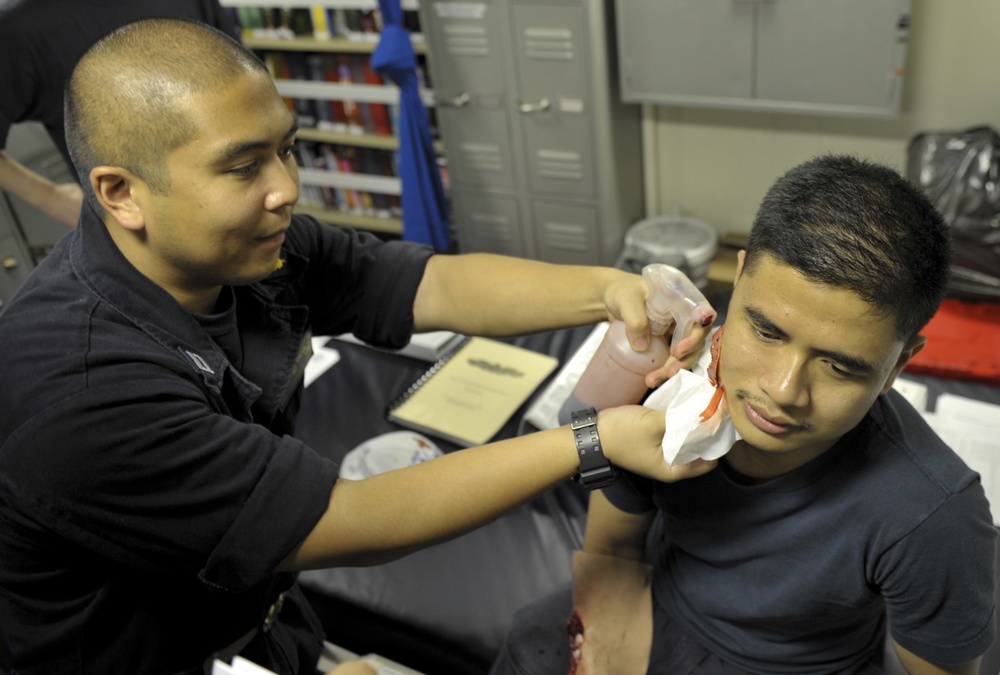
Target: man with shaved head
x,y
154,507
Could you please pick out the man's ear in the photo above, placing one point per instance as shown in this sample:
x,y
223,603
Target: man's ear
x,y
909,351
740,256
115,188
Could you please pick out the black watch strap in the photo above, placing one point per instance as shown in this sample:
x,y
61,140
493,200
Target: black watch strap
x,y
595,469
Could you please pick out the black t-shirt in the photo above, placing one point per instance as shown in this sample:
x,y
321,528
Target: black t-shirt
x,y
799,573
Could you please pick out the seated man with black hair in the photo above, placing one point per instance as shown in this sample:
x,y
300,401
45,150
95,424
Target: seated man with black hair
x,y
838,511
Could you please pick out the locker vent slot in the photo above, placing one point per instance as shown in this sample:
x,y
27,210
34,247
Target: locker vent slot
x,y
550,44
466,40
561,165
490,229
565,236
482,157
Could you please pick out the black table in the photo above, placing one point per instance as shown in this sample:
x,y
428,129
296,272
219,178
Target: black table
x,y
445,609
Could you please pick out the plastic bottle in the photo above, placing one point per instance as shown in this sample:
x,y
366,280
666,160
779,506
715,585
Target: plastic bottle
x,y
617,373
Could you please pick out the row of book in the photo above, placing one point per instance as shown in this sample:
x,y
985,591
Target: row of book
x,y
342,115
317,22
348,159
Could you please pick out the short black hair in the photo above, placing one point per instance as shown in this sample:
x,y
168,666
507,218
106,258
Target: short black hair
x,y
860,226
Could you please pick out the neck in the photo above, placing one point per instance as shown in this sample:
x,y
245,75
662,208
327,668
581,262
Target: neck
x,y
193,298
760,466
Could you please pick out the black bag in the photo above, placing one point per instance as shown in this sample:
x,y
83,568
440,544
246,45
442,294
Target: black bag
x,y
960,172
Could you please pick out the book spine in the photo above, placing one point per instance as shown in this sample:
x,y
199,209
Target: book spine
x,y
428,374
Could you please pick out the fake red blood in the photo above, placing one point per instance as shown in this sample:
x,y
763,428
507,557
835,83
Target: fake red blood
x,y
574,626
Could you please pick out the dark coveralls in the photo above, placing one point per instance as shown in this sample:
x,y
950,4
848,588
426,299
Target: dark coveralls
x,y
148,481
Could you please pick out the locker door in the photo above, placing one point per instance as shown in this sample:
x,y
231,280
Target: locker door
x,y
804,55
467,52
566,233
683,49
553,98
488,222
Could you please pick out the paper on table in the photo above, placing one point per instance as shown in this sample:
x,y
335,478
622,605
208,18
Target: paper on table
x,y
972,428
914,392
322,359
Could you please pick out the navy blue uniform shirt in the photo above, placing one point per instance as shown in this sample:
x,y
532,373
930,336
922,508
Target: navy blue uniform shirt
x,y
147,487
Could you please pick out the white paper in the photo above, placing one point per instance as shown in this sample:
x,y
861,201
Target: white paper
x,y
972,429
914,392
240,666
683,398
322,359
429,346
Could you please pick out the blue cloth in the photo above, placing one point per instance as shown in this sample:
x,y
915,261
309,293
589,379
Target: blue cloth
x,y
425,214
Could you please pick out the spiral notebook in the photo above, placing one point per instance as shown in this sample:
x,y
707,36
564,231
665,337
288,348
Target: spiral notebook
x,y
471,392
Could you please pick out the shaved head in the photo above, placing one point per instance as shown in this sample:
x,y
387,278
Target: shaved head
x,y
127,101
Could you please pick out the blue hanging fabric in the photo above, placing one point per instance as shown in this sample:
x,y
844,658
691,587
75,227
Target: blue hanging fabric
x,y
425,211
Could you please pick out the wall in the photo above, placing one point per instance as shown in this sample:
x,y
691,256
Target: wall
x,y
716,165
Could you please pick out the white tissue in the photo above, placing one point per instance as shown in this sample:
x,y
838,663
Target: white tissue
x,y
684,396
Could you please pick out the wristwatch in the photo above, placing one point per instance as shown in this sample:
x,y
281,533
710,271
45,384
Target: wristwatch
x,y
595,469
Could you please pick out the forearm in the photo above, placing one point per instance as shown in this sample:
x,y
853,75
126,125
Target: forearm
x,y
613,532
62,202
915,665
395,513
387,516
486,294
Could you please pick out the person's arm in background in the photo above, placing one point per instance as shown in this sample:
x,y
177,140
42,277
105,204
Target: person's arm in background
x,y
61,201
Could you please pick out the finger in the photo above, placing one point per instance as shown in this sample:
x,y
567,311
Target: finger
x,y
353,668
627,302
657,377
690,347
686,354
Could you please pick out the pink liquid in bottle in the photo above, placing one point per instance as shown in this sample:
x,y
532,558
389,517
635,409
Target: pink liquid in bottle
x,y
617,373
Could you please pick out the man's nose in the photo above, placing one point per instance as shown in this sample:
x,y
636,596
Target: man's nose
x,y
786,380
283,188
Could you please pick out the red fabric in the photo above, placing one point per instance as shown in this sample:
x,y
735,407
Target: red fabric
x,y
963,342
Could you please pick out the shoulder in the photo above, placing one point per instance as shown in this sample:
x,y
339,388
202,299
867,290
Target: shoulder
x,y
897,432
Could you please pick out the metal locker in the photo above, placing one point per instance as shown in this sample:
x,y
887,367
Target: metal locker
x,y
544,160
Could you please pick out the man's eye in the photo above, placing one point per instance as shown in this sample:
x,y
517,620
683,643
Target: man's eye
x,y
840,371
288,150
763,334
244,170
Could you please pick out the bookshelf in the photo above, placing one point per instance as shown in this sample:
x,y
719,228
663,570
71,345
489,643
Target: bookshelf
x,y
318,54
